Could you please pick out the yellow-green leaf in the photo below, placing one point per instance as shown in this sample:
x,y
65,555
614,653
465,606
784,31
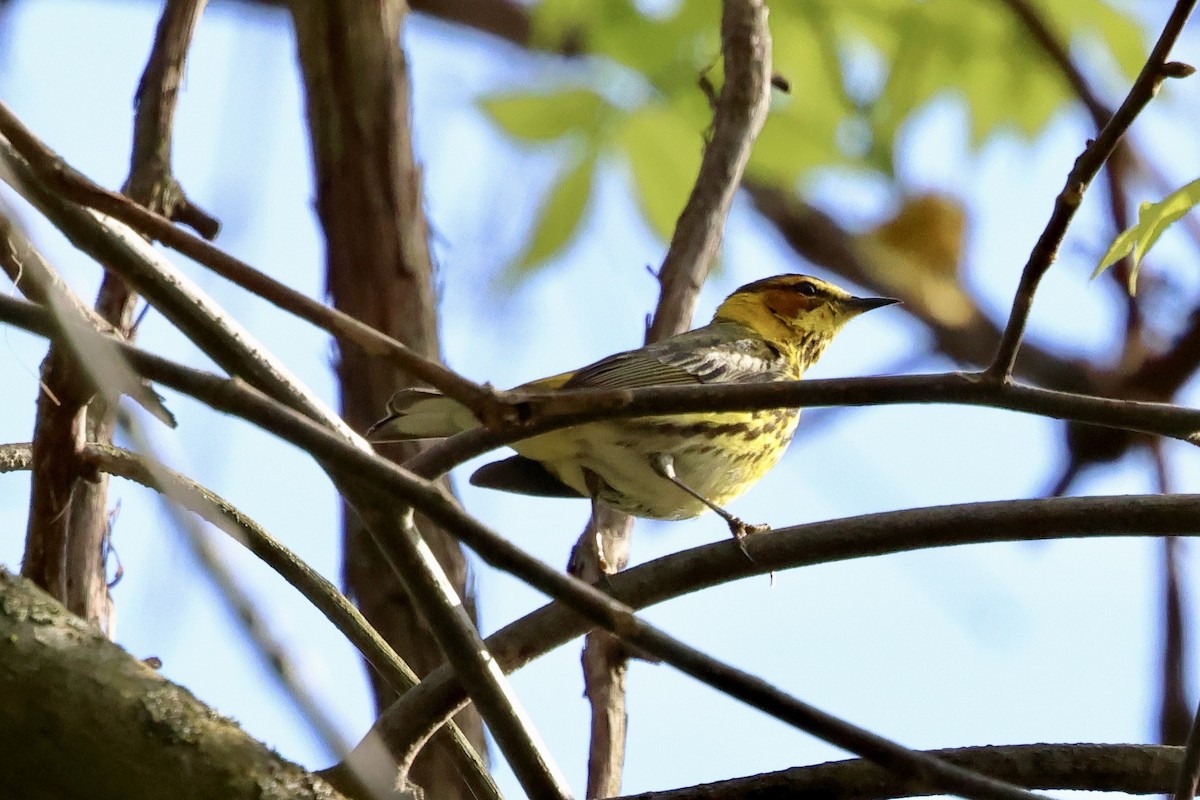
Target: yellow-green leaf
x,y
558,218
1153,219
539,117
663,148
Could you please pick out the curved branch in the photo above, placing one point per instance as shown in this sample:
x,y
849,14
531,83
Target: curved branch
x,y
1130,768
817,543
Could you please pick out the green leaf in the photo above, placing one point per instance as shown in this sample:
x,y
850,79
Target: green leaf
x,y
1153,219
985,55
1097,20
663,148
802,129
538,117
558,218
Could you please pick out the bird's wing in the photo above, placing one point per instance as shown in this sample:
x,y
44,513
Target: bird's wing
x,y
726,352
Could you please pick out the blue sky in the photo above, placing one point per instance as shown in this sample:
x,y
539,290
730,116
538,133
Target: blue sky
x,y
993,644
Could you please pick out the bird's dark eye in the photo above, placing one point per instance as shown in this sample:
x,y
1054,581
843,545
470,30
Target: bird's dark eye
x,y
807,289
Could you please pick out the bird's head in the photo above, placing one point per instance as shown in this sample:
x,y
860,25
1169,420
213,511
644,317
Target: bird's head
x,y
797,313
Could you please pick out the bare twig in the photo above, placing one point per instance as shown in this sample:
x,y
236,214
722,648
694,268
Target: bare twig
x,y
579,406
151,182
547,412
739,115
54,176
1155,71
1130,768
1122,156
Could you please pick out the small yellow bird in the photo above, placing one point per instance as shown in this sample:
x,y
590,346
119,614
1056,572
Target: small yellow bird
x,y
673,466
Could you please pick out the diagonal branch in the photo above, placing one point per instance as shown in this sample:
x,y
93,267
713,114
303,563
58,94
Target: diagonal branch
x,y
1155,71
54,176
232,347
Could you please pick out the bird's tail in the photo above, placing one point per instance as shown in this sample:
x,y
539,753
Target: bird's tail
x,y
421,414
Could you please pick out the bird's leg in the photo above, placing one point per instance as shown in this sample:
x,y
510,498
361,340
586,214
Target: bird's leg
x,y
664,465
595,484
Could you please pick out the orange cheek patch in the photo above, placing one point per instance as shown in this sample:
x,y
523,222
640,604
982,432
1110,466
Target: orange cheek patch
x,y
789,304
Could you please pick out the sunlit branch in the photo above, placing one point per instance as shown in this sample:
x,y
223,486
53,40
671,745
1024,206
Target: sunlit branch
x,y
547,412
1153,73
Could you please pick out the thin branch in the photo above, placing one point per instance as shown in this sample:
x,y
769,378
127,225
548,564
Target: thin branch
x,y
1038,27
151,182
1129,768
740,112
56,177
870,535
1155,71
545,412
216,333
553,411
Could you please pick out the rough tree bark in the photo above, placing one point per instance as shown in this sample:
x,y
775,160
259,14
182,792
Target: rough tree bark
x,y
68,530
84,719
378,270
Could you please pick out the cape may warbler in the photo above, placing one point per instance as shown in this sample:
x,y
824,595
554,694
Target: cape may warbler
x,y
673,466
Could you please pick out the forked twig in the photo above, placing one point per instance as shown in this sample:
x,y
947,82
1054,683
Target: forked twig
x,y
1156,70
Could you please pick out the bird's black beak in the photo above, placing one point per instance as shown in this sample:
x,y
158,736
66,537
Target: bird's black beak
x,y
860,304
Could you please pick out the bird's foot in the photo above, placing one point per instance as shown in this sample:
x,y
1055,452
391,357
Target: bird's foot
x,y
741,530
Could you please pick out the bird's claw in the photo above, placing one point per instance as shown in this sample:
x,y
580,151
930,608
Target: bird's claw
x,y
741,530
